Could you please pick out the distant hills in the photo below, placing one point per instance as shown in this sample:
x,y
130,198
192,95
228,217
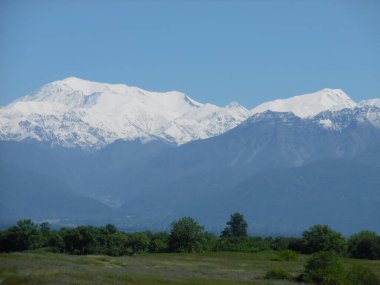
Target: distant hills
x,y
78,152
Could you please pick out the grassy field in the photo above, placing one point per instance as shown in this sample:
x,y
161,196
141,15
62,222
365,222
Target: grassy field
x,y
39,267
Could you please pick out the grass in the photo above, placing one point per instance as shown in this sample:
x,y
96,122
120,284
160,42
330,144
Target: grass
x,y
40,267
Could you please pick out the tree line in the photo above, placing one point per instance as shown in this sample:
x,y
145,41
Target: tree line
x,y
185,235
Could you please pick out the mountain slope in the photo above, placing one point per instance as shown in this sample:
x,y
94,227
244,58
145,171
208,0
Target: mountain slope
x,y
75,112
124,147
341,193
200,178
309,104
78,113
28,194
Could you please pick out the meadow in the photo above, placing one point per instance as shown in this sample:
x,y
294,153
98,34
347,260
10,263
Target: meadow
x,y
43,267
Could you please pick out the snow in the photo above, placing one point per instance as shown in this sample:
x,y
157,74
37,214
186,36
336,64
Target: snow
x,y
370,102
75,112
309,105
327,123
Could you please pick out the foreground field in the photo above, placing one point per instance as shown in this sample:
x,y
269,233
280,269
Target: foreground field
x,y
39,267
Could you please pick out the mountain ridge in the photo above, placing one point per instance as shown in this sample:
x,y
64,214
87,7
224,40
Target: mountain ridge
x,y
79,113
280,170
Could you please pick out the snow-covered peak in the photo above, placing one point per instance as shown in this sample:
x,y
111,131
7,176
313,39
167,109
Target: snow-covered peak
x,y
73,93
309,105
375,102
77,112
85,86
235,106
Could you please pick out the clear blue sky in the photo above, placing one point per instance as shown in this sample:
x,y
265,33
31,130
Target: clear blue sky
x,y
215,51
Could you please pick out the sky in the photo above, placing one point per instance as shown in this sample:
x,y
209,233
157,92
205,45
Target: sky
x,y
214,51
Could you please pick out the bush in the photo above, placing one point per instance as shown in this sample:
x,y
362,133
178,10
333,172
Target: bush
x,y
360,275
138,242
115,244
297,244
286,255
56,242
364,244
278,274
324,268
79,240
322,238
159,242
211,242
186,235
243,244
24,235
280,243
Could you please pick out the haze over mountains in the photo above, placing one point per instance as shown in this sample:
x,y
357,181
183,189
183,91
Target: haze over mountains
x,y
77,151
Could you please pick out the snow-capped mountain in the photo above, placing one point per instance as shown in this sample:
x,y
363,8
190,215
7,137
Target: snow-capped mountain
x,y
75,112
285,164
309,105
90,115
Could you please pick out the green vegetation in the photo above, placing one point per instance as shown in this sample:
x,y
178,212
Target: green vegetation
x,y
211,268
322,238
186,235
287,255
364,245
279,274
360,275
236,227
186,255
324,268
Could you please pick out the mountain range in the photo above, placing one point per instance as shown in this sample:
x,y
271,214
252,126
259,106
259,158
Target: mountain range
x,y
77,151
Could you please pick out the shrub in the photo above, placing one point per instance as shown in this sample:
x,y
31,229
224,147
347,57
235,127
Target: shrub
x,y
286,255
243,244
115,244
186,235
297,244
278,274
159,242
324,268
280,243
360,275
138,242
364,244
211,241
322,238
56,242
24,235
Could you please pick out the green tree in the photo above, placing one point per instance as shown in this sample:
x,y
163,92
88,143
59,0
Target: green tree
x,y
186,235
211,241
364,244
56,242
116,244
44,233
159,242
24,235
138,242
80,240
322,238
236,227
324,268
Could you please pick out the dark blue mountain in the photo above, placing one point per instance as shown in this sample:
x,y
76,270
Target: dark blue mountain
x,y
283,172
